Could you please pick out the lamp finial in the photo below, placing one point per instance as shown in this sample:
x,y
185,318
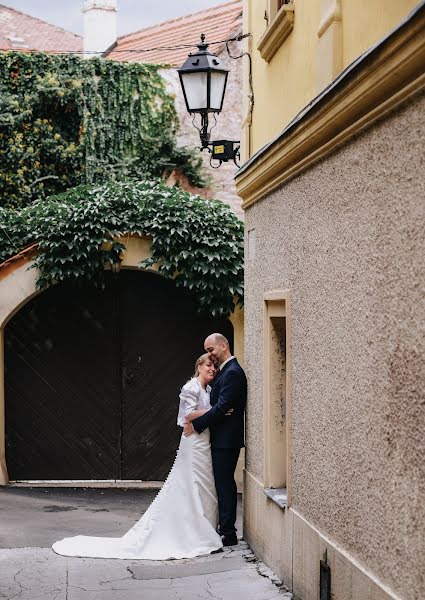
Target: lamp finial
x,y
203,46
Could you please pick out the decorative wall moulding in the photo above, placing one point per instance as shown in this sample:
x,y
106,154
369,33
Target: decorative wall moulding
x,y
277,32
376,83
100,5
331,16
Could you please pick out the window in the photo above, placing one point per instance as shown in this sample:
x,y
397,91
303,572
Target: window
x,y
280,3
276,395
274,7
280,22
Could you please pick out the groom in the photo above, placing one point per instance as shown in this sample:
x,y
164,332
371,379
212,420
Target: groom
x,y
226,432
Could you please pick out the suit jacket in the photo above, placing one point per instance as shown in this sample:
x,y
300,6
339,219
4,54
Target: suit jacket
x,y
229,391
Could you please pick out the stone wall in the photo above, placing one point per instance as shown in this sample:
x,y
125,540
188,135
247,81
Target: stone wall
x,y
228,127
346,238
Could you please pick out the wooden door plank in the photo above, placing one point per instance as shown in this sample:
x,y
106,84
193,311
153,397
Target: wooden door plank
x,y
162,336
62,387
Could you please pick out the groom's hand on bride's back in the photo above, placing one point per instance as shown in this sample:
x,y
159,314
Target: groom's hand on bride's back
x,y
188,428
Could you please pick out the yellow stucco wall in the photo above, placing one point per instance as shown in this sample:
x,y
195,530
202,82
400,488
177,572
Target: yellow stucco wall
x,y
365,22
300,69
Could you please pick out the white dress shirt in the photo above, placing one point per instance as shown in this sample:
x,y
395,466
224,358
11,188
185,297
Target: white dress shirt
x,y
192,397
225,362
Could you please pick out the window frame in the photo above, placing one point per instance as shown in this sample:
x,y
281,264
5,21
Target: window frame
x,y
280,23
277,479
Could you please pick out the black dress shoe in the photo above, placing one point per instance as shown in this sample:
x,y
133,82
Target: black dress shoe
x,y
229,540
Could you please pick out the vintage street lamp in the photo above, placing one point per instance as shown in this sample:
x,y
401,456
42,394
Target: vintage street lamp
x,y
203,80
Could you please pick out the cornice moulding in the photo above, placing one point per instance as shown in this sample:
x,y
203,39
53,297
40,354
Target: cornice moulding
x,y
108,5
380,81
14,262
277,32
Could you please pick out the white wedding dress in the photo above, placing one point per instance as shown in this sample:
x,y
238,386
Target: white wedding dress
x,y
181,521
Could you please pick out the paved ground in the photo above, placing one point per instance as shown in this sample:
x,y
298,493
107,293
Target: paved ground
x,y
37,517
32,519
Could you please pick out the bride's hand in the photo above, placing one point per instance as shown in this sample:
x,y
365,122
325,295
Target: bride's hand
x,y
188,429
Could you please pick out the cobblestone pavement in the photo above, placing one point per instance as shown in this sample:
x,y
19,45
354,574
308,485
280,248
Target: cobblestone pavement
x,y
40,574
37,573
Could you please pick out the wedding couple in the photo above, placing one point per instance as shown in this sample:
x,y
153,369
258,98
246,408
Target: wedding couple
x,y
182,520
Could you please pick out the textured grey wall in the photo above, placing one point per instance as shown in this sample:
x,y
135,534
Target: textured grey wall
x,y
347,239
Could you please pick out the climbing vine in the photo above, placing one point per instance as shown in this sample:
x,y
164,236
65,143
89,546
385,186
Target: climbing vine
x,y
197,242
65,121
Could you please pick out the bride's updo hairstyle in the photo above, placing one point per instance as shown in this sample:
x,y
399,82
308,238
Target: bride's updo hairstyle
x,y
201,360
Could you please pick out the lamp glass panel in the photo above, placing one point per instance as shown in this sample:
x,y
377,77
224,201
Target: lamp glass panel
x,y
218,81
195,86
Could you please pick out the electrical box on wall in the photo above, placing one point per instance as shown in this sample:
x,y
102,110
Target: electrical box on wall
x,y
225,150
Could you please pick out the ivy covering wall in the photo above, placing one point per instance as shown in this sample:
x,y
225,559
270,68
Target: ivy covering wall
x,y
65,121
197,242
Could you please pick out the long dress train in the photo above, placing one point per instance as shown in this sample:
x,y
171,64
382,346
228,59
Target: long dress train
x,y
181,521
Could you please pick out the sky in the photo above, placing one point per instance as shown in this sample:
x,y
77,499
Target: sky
x,y
132,14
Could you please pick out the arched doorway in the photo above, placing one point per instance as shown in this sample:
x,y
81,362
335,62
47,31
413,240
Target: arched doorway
x,y
92,378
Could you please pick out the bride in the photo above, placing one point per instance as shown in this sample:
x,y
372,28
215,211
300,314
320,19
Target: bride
x,y
181,522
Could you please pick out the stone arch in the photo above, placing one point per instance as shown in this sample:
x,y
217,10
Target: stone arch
x,y
18,286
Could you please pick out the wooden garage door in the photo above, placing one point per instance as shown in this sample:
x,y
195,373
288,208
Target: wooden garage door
x,y
92,379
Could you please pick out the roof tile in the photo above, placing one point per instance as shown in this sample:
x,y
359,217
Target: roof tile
x,y
150,44
19,31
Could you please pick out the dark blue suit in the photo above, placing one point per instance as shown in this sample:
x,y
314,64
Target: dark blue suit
x,y
227,437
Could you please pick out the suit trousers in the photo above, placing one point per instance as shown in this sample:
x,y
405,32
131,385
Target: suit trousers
x,y
224,461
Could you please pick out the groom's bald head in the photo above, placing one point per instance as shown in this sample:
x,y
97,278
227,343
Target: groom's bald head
x,y
217,347
218,338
